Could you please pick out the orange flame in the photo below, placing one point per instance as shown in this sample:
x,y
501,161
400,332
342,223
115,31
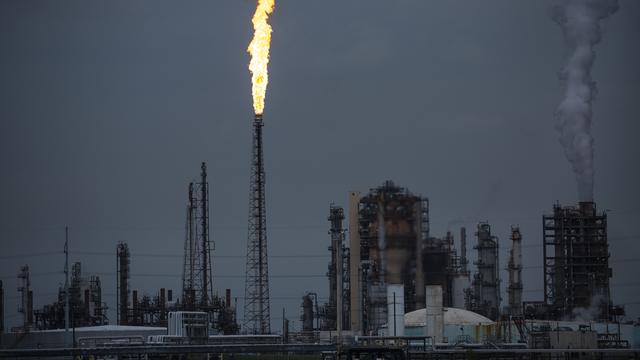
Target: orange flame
x,y
259,50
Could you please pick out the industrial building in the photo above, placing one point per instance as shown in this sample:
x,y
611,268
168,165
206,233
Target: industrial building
x,y
391,278
85,301
388,229
389,247
576,262
197,276
484,295
442,266
337,309
461,326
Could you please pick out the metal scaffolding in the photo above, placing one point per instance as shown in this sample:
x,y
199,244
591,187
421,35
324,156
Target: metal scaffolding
x,y
442,266
484,295
257,319
393,226
197,273
339,289
26,297
576,262
86,307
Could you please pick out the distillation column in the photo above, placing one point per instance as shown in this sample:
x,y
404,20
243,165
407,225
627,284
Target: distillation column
x,y
515,273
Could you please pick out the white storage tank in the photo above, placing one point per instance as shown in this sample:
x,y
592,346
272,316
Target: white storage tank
x,y
188,324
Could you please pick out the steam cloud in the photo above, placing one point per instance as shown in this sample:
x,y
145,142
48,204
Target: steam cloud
x,y
580,21
592,312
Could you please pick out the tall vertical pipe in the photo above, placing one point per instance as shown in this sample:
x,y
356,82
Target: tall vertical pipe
x,y
336,216
463,249
354,264
123,283
515,269
67,308
205,261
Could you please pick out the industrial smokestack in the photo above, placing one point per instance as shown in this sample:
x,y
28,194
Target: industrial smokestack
x,y
580,24
587,208
355,290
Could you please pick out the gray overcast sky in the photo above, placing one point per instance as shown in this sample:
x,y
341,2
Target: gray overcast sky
x,y
108,108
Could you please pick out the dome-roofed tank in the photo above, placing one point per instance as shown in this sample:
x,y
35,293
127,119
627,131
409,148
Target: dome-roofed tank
x,y
452,316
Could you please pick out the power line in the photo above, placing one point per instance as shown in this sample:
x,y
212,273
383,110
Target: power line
x,y
292,276
6,257
619,285
31,274
160,255
104,253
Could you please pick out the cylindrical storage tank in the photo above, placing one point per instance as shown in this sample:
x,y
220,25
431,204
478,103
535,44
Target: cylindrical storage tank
x,y
307,314
460,283
395,310
434,313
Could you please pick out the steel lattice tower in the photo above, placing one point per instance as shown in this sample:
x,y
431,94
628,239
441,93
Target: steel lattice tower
x,y
197,279
257,317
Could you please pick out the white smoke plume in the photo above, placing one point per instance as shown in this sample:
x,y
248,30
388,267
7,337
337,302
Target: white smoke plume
x,y
580,21
592,312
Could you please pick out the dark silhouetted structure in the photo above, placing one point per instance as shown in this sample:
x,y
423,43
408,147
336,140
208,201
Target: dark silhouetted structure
x,y
386,245
197,275
85,301
123,260
26,298
484,295
257,319
576,262
514,267
338,274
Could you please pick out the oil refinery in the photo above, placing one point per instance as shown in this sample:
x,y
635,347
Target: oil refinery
x,y
405,279
393,287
